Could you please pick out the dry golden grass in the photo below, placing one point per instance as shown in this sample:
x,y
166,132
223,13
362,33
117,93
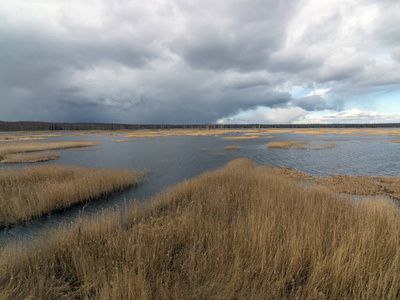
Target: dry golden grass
x,y
34,191
204,149
10,148
29,158
121,140
271,137
288,144
245,137
353,185
232,147
241,232
310,131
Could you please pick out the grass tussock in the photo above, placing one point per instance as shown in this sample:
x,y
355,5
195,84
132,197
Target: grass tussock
x,y
29,158
233,147
288,144
10,148
241,232
34,191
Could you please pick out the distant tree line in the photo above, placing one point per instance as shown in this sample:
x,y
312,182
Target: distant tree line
x,y
49,126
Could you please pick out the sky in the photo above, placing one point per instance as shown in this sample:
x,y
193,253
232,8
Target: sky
x,y
196,62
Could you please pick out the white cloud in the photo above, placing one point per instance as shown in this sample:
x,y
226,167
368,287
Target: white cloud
x,y
349,116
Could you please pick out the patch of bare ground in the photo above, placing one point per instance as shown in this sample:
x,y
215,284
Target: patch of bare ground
x,y
34,191
240,232
29,158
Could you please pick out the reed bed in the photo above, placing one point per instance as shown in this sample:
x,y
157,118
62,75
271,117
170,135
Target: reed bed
x,y
232,147
245,137
121,140
34,191
288,144
241,232
10,148
324,146
353,185
29,158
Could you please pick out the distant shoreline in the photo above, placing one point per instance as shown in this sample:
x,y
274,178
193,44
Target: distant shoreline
x,y
53,126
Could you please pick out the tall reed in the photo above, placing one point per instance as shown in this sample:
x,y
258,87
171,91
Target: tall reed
x,y
34,191
21,147
241,232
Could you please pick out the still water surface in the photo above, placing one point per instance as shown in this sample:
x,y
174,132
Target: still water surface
x,y
171,159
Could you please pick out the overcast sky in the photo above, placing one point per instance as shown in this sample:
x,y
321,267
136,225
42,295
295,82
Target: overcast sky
x,y
193,61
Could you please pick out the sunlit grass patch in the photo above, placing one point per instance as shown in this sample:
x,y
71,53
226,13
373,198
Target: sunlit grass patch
x,y
288,144
34,191
310,131
29,158
232,147
10,148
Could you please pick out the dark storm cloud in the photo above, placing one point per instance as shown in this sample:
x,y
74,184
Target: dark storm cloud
x,y
236,35
191,61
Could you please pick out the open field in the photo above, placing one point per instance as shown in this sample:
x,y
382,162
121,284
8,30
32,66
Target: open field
x,y
10,148
30,157
240,232
34,191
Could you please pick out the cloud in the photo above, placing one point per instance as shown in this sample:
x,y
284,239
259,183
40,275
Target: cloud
x,y
268,116
349,116
192,62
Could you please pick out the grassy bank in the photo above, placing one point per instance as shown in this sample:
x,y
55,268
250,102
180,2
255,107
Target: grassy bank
x,y
241,232
34,191
288,144
30,157
11,148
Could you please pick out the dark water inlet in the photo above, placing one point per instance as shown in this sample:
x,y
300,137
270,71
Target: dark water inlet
x,y
171,159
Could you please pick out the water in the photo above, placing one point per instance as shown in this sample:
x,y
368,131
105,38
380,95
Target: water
x,y
172,159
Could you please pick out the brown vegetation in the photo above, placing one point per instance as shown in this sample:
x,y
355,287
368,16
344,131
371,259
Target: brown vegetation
x,y
232,147
241,232
34,191
243,137
9,148
121,140
29,158
288,144
324,146
353,185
